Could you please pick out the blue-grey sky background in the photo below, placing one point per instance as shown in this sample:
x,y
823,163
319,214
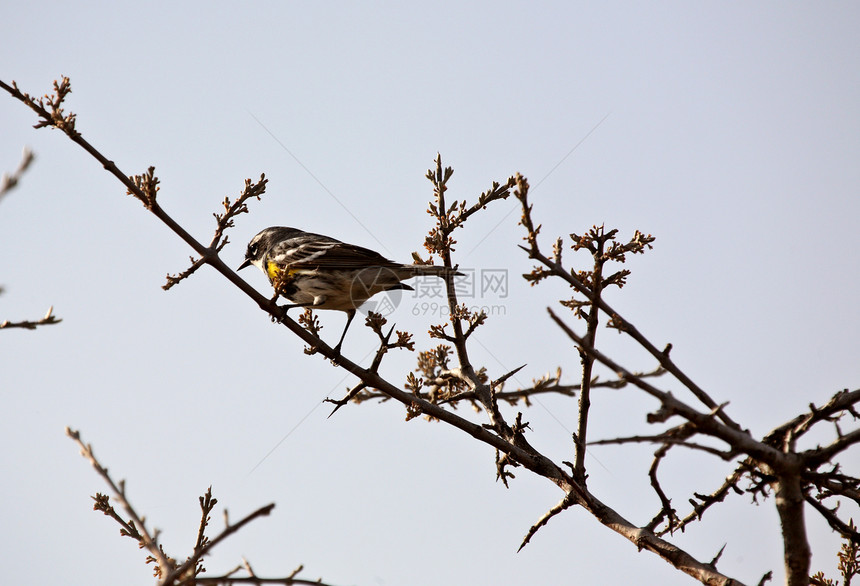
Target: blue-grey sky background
x,y
729,130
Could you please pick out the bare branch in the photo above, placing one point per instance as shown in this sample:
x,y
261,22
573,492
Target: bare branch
x,y
223,221
49,319
508,439
832,483
704,502
554,268
846,530
843,401
10,180
595,241
143,187
137,528
819,456
349,397
705,422
666,512
229,530
172,280
667,439
229,580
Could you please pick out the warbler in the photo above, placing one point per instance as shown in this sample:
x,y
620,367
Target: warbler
x,y
312,270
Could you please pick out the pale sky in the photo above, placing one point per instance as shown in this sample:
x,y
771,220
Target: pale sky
x,y
729,130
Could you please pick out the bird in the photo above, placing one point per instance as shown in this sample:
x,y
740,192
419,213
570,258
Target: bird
x,y
312,270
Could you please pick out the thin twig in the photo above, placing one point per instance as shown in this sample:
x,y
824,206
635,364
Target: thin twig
x,y
147,540
568,501
616,320
229,530
48,320
706,422
10,180
841,527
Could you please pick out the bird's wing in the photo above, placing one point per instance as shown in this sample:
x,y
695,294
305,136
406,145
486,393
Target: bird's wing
x,y
314,251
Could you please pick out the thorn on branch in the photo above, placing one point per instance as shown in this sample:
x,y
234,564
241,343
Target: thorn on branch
x,y
506,376
565,503
502,463
352,394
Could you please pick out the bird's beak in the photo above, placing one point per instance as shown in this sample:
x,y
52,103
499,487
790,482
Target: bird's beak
x,y
245,263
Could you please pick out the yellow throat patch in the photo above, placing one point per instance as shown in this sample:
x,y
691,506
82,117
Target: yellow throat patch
x,y
272,270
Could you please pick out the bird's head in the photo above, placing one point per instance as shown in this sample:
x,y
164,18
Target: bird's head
x,y
261,244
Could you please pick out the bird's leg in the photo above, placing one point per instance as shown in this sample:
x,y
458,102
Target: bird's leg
x,y
349,315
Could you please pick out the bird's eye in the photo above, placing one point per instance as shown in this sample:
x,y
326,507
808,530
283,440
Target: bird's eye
x,y
252,250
